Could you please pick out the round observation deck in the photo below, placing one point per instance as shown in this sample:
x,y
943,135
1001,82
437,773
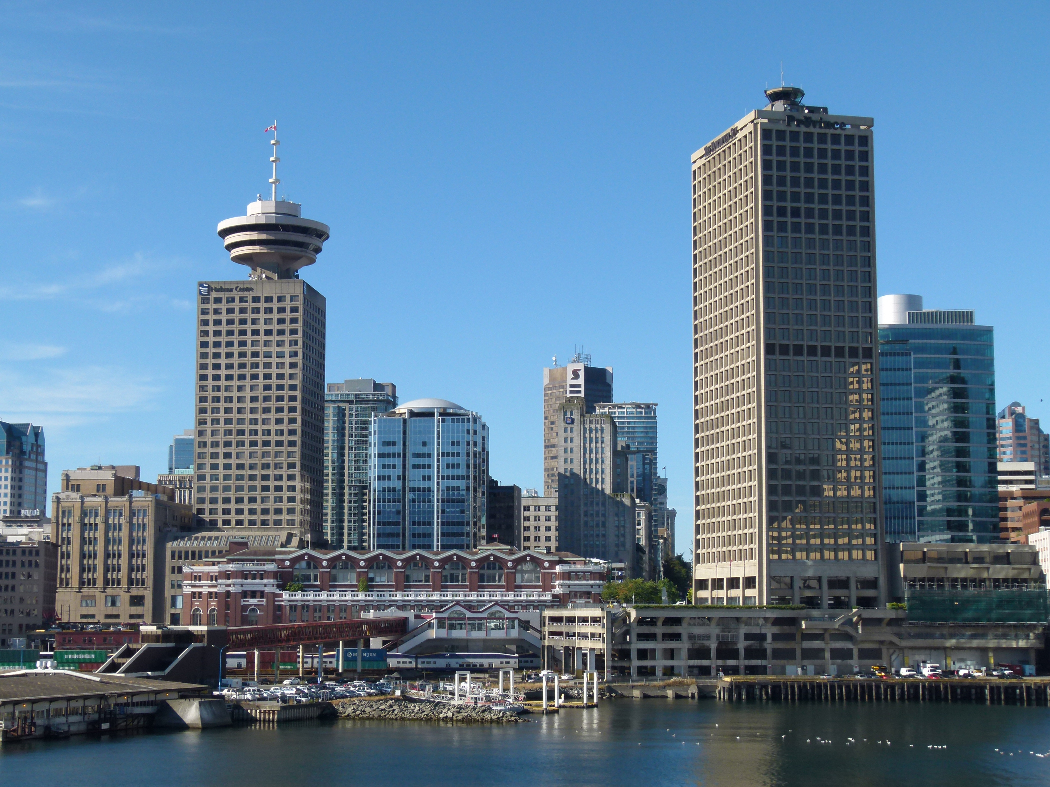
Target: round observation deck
x,y
785,95
273,238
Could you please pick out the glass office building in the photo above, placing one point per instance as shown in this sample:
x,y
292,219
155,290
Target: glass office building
x,y
180,454
636,434
429,470
348,410
938,427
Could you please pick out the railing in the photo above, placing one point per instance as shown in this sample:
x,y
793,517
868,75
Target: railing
x,y
346,596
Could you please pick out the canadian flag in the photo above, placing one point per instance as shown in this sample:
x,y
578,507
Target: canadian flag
x,y
271,128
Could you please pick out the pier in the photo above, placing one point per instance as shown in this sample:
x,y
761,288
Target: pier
x,y
278,712
974,690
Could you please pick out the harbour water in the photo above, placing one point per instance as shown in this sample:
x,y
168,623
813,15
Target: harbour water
x,y
643,743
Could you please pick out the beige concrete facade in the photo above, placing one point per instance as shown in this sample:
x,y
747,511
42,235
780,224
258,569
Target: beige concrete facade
x,y
181,484
579,379
785,378
110,531
539,523
259,407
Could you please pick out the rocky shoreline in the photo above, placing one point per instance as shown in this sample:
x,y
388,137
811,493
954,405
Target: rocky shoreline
x,y
422,710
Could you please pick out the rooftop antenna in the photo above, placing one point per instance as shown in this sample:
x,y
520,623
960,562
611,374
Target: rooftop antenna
x,y
781,77
273,160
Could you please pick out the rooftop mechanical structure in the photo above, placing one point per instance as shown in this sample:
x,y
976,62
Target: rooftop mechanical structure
x,y
273,239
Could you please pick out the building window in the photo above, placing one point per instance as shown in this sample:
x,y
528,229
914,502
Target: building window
x,y
454,574
491,574
527,573
417,573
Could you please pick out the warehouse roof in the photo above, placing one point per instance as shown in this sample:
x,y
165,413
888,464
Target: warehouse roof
x,y
36,685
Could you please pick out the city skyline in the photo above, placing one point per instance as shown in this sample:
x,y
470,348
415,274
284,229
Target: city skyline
x,y
172,180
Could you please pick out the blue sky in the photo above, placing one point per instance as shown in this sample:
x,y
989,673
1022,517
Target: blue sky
x,y
503,182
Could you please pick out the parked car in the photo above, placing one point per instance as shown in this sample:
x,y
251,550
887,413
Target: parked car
x,y
907,672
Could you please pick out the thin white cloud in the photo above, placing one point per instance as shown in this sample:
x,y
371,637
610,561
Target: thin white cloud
x,y
81,287
74,395
30,352
38,200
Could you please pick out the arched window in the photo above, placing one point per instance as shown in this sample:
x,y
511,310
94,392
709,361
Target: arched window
x,y
417,573
213,617
454,574
253,617
306,572
491,574
343,573
378,572
196,616
457,620
527,573
497,621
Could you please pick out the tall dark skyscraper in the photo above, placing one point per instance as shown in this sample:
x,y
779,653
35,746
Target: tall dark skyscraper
x,y
259,392
786,445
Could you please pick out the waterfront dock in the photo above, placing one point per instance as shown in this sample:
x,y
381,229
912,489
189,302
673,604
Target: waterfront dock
x,y
278,712
766,688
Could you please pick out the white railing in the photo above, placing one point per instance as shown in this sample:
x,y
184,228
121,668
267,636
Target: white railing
x,y
357,597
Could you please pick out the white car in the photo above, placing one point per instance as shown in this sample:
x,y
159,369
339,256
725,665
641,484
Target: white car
x,y
907,672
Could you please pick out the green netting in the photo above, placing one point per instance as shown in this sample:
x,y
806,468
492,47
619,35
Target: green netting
x,y
978,606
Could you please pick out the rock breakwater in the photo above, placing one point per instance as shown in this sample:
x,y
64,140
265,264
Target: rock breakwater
x,y
422,710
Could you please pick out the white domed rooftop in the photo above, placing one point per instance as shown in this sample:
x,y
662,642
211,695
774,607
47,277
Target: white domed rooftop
x,y
431,404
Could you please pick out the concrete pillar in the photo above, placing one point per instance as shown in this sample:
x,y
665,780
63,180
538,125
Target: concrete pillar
x,y
320,662
277,666
339,663
360,649
256,665
300,662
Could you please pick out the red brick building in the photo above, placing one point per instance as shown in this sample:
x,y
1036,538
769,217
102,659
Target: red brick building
x,y
262,587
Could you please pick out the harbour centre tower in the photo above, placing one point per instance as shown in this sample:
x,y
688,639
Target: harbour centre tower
x,y
786,448
259,388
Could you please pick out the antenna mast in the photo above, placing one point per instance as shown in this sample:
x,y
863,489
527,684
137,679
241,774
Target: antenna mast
x,y
274,180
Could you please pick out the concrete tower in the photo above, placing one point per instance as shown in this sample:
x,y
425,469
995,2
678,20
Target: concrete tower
x,y
786,449
259,393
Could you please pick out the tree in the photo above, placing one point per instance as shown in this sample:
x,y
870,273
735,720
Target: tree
x,y
640,591
680,573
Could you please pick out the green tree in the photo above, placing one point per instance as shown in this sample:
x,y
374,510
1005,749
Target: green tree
x,y
640,591
680,574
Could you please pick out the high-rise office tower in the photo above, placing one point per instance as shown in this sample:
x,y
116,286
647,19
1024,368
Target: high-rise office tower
x,y
637,438
597,516
1021,439
636,433
578,378
503,514
937,390
259,392
348,410
785,434
180,454
23,471
429,471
